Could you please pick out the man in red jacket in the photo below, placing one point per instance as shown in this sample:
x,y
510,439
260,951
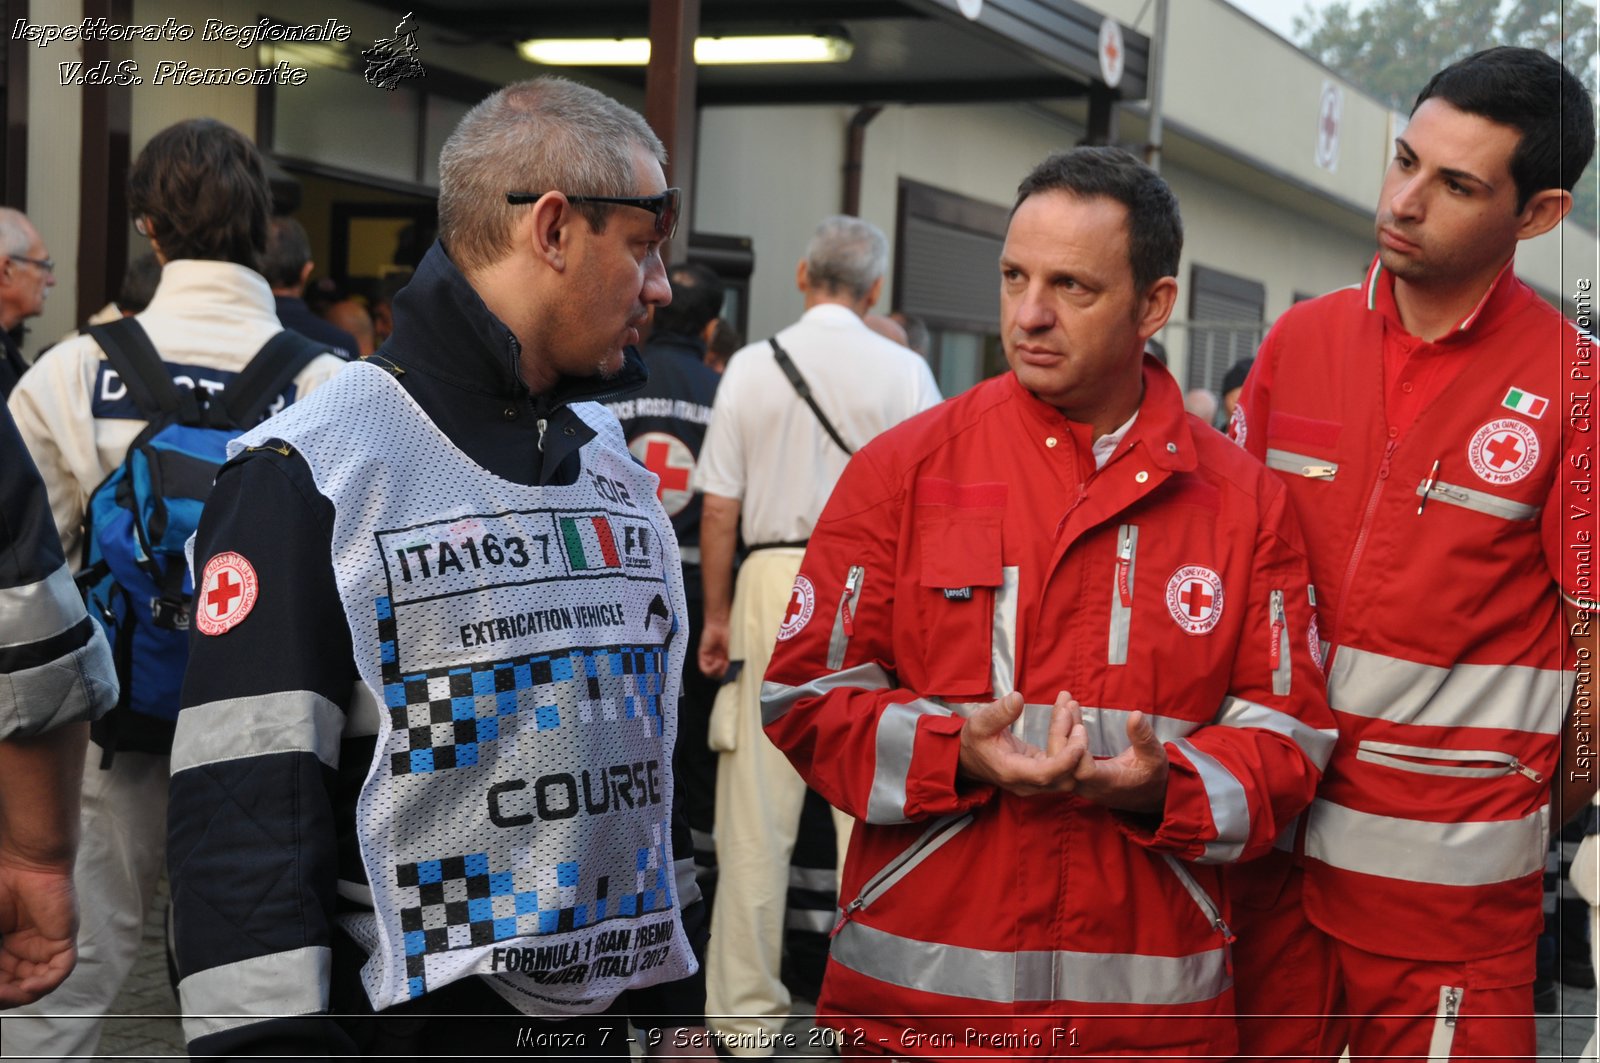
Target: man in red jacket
x,y
1433,429
1049,645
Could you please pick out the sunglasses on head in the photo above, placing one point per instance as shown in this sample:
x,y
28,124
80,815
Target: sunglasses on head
x,y
664,205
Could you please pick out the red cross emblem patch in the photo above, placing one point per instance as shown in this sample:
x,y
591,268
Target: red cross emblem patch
x,y
802,603
1194,598
673,463
227,593
1504,451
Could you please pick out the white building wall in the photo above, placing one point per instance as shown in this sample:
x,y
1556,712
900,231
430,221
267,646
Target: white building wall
x,y
55,122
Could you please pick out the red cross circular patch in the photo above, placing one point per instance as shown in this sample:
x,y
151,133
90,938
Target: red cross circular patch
x,y
1503,451
802,603
227,593
1238,429
673,463
1194,598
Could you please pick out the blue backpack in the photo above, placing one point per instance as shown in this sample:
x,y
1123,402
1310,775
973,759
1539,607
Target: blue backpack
x,y
135,578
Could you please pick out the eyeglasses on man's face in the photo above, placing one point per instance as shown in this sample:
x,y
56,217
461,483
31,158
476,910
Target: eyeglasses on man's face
x,y
48,265
664,205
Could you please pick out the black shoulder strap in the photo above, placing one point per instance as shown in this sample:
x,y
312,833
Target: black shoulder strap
x,y
803,389
269,372
128,348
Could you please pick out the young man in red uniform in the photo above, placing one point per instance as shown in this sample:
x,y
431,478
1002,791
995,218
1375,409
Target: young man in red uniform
x,y
1048,645
1429,425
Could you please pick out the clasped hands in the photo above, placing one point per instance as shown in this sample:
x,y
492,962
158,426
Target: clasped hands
x,y
1134,780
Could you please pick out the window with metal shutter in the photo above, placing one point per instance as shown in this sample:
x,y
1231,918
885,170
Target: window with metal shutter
x,y
1225,324
946,272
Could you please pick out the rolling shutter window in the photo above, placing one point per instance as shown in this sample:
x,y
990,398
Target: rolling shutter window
x,y
1225,324
950,275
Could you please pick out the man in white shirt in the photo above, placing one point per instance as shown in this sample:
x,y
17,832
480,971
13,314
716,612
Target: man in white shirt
x,y
768,465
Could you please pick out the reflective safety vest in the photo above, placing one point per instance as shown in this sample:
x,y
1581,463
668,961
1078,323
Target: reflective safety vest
x,y
1435,551
973,551
520,648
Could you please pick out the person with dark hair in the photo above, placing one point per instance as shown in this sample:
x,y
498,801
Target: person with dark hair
x,y
1233,383
665,425
287,265
199,189
350,315
422,794
139,282
1421,422
724,343
1045,647
26,278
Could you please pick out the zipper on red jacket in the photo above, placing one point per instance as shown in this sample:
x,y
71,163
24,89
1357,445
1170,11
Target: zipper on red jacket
x,y
1361,535
930,841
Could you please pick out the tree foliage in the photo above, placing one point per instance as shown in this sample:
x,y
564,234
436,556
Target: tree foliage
x,y
1390,48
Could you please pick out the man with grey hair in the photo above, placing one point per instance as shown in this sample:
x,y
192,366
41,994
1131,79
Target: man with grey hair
x,y
26,277
422,784
789,412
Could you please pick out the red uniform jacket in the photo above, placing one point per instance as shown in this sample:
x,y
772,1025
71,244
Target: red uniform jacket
x,y
975,550
1436,548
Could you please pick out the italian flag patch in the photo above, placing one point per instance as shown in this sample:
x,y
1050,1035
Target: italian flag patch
x,y
589,543
1525,403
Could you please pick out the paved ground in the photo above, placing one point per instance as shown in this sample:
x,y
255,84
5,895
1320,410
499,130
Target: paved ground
x,y
145,1027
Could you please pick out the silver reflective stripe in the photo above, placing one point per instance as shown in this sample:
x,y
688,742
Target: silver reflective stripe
x,y
292,721
1445,854
689,555
1013,977
1301,465
703,840
815,920
839,641
1107,729
365,715
1282,674
1443,1040
1482,501
897,733
815,879
359,892
1003,670
73,688
928,842
1394,755
254,990
1230,809
683,878
34,612
1284,842
1122,615
777,698
1316,744
1509,697
1201,898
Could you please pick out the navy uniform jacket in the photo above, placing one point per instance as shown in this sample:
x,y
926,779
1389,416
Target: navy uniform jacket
x,y
55,665
675,403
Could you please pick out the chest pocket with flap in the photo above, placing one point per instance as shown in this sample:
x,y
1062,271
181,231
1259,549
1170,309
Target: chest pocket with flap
x,y
959,568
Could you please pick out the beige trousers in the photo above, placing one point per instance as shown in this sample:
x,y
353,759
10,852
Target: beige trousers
x,y
759,796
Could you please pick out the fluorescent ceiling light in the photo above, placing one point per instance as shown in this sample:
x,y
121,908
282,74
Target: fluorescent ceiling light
x,y
708,51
